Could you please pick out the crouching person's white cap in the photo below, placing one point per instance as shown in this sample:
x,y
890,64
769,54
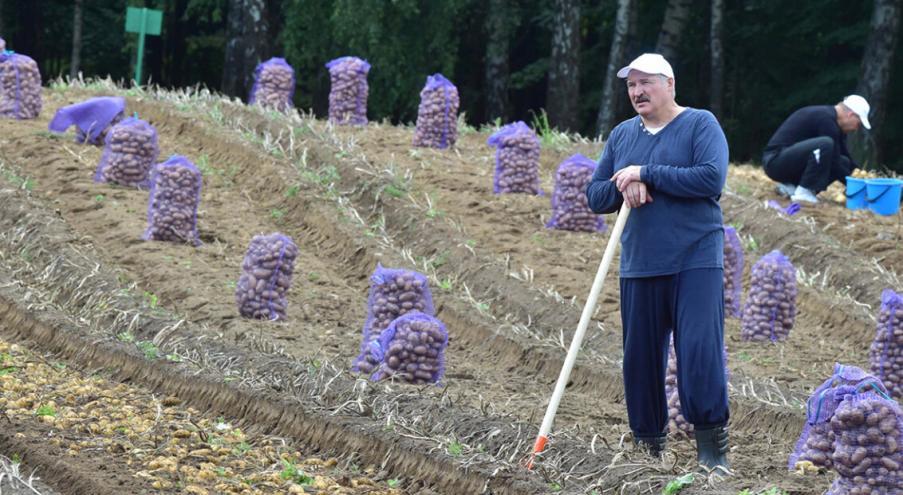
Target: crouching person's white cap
x,y
858,105
651,63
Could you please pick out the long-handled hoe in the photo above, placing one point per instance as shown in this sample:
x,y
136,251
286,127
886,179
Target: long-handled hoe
x,y
588,309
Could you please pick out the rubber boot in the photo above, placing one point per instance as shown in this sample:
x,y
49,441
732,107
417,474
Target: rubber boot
x,y
653,445
711,449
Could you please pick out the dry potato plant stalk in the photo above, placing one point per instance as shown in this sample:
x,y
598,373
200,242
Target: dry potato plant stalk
x,y
886,352
274,85
348,91
129,154
570,210
266,277
733,272
393,292
437,116
411,349
771,303
516,159
172,212
20,86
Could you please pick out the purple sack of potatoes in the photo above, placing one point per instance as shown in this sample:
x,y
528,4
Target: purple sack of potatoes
x,y
868,436
437,116
569,205
516,160
348,90
129,154
411,349
92,118
266,277
886,351
733,272
677,423
172,211
770,308
274,85
20,86
393,292
816,441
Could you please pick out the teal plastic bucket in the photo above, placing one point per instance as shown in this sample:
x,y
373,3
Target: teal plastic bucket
x,y
883,195
856,193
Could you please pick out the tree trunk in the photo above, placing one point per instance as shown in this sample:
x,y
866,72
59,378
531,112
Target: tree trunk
x,y
497,70
247,32
75,64
716,88
676,14
564,82
874,79
610,86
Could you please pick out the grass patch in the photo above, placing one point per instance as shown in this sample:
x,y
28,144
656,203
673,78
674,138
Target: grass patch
x,y
291,473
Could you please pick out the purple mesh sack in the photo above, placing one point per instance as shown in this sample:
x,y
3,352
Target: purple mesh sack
x,y
677,423
92,118
816,441
516,160
886,351
569,205
393,292
274,85
771,303
868,433
348,90
266,277
172,211
733,272
2,45
129,153
437,116
411,349
20,86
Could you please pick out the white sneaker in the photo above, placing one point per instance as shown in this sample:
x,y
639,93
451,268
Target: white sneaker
x,y
803,194
786,190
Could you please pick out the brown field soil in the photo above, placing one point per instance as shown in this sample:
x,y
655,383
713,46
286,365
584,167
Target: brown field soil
x,y
509,290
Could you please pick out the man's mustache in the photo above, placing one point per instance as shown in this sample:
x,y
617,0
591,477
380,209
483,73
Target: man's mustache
x,y
641,99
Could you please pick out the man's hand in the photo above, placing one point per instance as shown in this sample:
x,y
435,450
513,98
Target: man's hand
x,y
626,176
636,195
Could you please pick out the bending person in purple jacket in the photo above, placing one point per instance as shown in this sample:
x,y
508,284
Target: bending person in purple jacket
x,y
669,163
809,150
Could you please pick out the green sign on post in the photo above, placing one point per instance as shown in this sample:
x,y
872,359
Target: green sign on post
x,y
142,21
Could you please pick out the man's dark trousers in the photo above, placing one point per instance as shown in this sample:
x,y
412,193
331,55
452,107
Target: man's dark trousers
x,y
691,303
814,164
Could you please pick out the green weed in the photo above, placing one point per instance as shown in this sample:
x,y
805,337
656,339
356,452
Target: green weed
x,y
45,410
291,472
548,136
8,370
125,337
393,483
151,299
445,284
677,484
292,191
455,449
149,349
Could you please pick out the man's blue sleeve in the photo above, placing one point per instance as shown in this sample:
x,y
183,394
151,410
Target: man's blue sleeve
x,y
705,177
601,194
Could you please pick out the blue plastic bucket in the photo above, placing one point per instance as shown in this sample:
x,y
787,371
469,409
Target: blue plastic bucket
x,y
883,195
856,193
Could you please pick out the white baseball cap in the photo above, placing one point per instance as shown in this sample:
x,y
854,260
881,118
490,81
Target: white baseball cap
x,y
860,107
650,63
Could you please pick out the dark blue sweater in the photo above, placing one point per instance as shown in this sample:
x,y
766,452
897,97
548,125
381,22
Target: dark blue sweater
x,y
684,168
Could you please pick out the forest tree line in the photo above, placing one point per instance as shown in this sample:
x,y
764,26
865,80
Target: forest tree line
x,y
752,62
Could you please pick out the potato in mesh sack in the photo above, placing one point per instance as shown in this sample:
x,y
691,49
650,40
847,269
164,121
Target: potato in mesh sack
x,y
770,308
868,433
274,85
348,90
733,272
516,160
20,86
129,154
393,292
92,118
266,277
411,349
886,351
570,210
172,212
437,116
816,441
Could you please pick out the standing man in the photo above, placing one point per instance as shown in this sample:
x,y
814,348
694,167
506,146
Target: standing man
x,y
669,163
809,150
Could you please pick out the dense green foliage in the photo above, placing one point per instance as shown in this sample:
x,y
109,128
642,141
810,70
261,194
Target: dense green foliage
x,y
779,55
